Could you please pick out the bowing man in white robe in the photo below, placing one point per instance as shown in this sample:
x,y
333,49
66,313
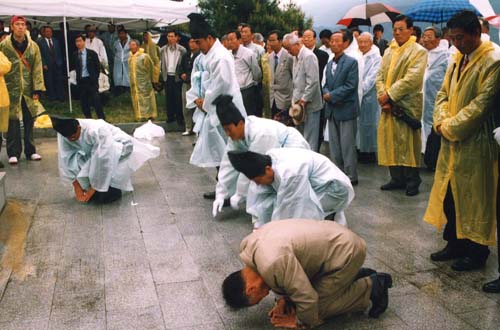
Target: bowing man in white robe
x,y
98,158
294,184
247,134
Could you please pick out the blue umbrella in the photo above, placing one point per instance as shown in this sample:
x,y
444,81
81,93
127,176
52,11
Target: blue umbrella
x,y
438,11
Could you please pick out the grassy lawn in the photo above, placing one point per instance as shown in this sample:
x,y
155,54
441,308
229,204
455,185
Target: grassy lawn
x,y
118,109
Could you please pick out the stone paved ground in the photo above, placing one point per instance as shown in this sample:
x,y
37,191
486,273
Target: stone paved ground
x,y
156,259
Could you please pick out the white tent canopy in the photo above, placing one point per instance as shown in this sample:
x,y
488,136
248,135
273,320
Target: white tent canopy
x,y
134,14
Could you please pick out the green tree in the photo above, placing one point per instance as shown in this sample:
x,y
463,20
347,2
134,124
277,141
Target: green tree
x,y
262,15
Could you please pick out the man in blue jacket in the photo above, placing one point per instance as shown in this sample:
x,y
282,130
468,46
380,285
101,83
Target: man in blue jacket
x,y
340,92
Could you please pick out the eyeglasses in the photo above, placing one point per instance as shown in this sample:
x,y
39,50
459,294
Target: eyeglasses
x,y
399,29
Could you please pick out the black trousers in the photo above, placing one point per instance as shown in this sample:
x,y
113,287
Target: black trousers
x,y
249,96
109,196
14,146
322,124
54,82
405,175
89,96
469,248
173,95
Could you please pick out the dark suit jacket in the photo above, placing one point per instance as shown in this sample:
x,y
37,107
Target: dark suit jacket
x,y
187,65
93,66
50,58
322,60
343,89
382,44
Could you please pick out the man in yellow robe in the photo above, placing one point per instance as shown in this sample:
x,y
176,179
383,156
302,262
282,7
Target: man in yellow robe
x,y
399,92
5,66
463,196
141,70
153,51
25,84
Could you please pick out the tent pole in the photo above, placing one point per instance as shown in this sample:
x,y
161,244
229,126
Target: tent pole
x,y
67,64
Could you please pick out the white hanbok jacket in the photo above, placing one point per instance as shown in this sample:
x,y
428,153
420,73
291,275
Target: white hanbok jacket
x,y
261,135
303,180
213,75
103,156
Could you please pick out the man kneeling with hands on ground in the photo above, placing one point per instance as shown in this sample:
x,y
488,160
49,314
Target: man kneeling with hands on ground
x,y
314,265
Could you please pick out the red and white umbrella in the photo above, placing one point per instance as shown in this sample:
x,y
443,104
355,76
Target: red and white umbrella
x,y
369,14
494,20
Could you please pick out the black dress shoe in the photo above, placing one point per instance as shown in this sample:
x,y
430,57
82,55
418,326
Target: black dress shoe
x,y
492,287
412,191
171,120
448,253
209,195
466,264
381,282
354,182
392,185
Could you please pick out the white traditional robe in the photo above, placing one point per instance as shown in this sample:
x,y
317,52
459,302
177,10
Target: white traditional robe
x,y
437,62
369,113
261,135
217,77
307,185
103,156
97,46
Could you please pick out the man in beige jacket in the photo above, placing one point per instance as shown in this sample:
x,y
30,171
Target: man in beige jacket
x,y
314,265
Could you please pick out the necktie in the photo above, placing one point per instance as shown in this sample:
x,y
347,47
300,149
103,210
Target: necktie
x,y
275,62
464,63
51,46
80,62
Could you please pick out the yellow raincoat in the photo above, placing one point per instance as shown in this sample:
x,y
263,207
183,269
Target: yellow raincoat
x,y
22,81
468,157
4,94
153,51
266,81
401,77
141,87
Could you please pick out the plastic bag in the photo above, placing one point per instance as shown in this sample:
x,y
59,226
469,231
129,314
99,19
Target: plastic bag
x,y
149,131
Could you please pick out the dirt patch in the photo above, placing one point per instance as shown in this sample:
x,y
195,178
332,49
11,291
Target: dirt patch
x,y
15,221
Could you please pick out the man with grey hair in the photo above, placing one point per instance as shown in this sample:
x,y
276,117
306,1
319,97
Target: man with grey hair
x,y
306,87
437,62
258,39
370,109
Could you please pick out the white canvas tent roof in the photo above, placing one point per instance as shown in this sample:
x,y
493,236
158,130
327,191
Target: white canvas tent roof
x,y
134,14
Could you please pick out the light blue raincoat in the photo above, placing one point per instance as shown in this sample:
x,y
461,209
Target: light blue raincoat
x,y
103,156
213,75
120,67
437,62
370,109
261,135
304,182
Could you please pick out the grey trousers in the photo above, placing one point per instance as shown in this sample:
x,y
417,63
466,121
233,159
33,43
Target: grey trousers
x,y
342,142
310,129
187,112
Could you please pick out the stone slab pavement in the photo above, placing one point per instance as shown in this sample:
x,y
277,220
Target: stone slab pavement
x,y
156,259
